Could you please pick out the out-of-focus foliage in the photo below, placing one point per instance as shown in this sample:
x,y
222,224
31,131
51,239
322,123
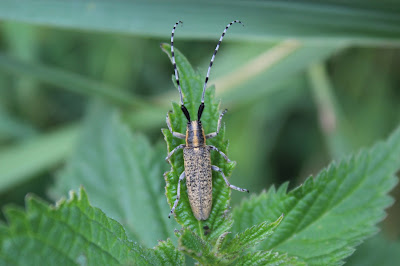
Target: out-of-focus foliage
x,y
293,105
73,232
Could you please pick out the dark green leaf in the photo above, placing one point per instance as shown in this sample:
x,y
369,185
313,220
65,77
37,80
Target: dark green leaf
x,y
236,249
197,248
250,237
168,254
328,216
72,232
365,22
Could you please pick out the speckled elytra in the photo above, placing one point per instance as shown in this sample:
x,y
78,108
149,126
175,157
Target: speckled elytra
x,y
196,154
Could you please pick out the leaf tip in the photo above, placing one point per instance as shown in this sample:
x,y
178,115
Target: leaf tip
x,y
83,196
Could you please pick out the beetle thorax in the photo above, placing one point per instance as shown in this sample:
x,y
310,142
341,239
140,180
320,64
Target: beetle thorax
x,y
195,135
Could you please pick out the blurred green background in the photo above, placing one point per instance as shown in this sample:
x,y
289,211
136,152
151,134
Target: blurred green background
x,y
305,83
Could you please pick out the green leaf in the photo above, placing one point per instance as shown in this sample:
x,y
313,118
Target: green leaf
x,y
206,253
361,22
267,258
219,220
168,254
197,248
251,237
328,216
72,232
122,173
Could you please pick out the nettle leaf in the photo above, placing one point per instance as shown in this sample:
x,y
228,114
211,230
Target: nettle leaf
x,y
267,258
192,86
328,216
250,238
122,174
168,254
73,232
199,249
234,251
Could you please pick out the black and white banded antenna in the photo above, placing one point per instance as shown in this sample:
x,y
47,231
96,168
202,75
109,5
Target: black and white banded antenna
x,y
184,110
201,107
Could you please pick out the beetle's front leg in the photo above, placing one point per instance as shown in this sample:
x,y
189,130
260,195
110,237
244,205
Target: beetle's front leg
x,y
174,150
223,154
216,168
175,134
214,134
178,194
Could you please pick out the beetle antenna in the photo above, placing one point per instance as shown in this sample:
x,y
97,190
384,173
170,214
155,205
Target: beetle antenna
x,y
201,108
183,108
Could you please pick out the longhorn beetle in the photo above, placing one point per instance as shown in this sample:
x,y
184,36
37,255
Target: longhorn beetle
x,y
196,154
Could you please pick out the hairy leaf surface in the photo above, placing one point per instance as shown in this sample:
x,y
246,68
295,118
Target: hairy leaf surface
x,y
73,232
123,175
329,215
237,250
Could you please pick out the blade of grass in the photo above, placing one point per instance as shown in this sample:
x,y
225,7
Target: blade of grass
x,y
70,81
358,22
256,66
24,160
329,114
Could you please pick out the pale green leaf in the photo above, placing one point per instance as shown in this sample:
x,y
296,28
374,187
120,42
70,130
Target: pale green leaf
x,y
361,22
123,175
72,233
20,162
328,216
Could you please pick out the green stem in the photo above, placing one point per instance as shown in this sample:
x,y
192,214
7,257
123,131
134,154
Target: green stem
x,y
329,116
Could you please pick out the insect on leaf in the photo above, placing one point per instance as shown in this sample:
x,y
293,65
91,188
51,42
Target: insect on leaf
x,y
192,84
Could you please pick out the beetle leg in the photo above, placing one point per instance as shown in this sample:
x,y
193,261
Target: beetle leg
x,y
178,194
223,154
216,168
174,150
214,134
175,134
